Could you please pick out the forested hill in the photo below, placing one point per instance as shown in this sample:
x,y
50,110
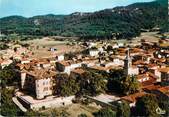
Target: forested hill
x,y
121,22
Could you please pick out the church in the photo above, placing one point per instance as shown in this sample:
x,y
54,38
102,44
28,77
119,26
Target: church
x,y
128,67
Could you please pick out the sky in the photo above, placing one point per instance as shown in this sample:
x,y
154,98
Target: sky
x,y
29,8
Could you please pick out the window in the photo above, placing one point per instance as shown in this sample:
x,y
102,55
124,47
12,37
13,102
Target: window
x,y
45,89
30,79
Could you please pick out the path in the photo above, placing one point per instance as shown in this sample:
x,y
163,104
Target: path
x,y
19,104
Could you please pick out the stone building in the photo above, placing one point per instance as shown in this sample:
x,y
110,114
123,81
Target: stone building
x,y
38,82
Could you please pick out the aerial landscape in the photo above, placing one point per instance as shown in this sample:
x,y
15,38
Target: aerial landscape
x,y
84,58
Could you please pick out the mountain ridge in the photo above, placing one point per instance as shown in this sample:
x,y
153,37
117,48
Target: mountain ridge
x,y
119,22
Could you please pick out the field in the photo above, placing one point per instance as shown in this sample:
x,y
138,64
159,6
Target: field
x,y
41,47
74,110
149,36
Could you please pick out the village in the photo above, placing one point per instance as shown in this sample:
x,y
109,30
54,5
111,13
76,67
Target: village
x,y
41,77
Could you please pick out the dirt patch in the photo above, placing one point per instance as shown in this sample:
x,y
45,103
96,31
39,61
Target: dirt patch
x,y
74,110
41,47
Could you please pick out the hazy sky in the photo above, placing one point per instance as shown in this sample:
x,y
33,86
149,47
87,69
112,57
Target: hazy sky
x,y
30,8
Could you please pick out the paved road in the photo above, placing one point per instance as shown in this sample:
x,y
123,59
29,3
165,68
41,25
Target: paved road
x,y
19,104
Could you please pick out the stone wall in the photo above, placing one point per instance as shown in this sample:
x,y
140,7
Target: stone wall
x,y
49,102
56,102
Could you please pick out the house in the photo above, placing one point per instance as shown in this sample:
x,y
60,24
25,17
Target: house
x,y
90,45
164,74
43,63
89,62
100,49
39,82
5,63
107,64
159,91
163,91
52,49
143,77
115,46
25,60
147,79
77,73
157,73
60,57
68,66
120,44
93,52
103,69
52,60
133,98
118,62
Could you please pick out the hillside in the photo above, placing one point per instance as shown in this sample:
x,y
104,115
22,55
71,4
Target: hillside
x,y
120,22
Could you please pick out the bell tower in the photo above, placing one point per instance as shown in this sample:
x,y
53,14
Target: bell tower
x,y
127,62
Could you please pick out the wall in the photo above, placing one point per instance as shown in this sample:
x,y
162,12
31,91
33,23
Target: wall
x,y
43,87
57,102
23,77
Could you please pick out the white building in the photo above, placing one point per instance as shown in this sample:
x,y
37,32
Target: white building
x,y
60,58
115,46
118,62
120,44
93,52
67,66
25,61
100,50
90,45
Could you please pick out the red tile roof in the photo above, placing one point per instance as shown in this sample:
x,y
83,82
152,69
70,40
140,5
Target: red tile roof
x,y
165,70
164,90
133,97
79,71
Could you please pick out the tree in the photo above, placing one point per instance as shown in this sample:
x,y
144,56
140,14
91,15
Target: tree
x,y
15,49
114,82
82,115
8,76
117,74
147,105
8,108
59,113
92,83
31,113
3,46
130,85
69,56
26,45
107,112
109,48
123,109
69,87
163,103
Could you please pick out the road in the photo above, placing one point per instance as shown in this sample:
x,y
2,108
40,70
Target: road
x,y
19,104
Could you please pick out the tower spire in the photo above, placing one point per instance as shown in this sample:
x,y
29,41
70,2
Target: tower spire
x,y
127,62
128,53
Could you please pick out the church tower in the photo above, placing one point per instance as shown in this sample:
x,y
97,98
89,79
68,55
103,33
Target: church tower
x,y
127,63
